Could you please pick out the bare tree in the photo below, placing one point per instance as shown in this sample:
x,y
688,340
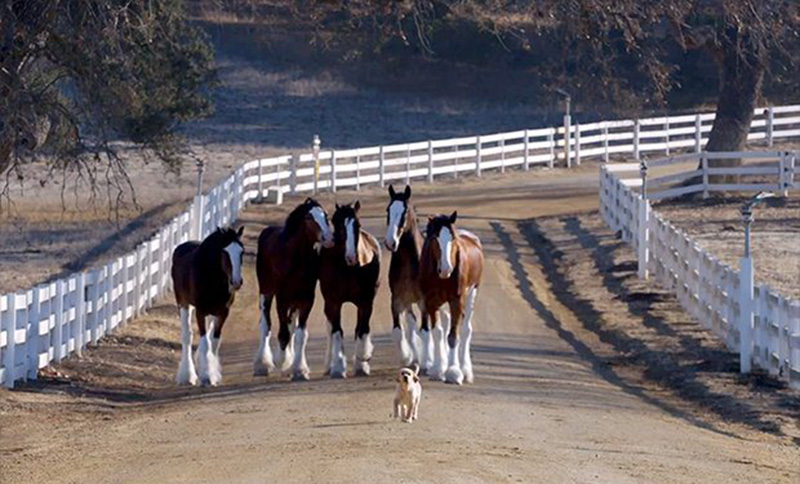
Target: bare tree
x,y
77,77
607,46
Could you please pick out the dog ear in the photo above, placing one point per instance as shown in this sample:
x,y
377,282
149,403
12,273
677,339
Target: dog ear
x,y
415,368
416,379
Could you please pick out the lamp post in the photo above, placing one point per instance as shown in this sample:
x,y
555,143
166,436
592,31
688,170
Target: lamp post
x,y
567,125
746,286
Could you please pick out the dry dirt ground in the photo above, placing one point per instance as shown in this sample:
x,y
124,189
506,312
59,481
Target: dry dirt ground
x,y
583,374
716,224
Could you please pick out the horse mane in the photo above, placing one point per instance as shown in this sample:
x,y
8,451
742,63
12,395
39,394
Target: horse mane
x,y
295,219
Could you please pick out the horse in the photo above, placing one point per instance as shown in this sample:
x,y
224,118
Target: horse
x,y
287,266
450,272
404,241
206,276
349,273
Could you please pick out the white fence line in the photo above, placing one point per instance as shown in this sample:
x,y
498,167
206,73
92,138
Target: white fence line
x,y
760,324
50,321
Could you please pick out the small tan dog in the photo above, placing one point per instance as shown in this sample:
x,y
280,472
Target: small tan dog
x,y
408,394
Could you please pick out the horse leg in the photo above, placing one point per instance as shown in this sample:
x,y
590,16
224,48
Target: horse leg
x,y
186,372
326,365
263,364
466,336
454,374
404,353
411,334
337,360
426,350
300,369
439,357
364,346
207,363
285,353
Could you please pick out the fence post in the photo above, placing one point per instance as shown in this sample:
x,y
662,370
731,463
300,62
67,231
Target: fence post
x,y
358,171
293,162
260,184
408,164
666,136
552,140
782,186
478,158
577,144
502,156
704,164
9,359
636,130
381,168
430,161
526,153
32,336
605,141
698,133
644,218
745,313
80,313
59,321
770,112
333,171
567,140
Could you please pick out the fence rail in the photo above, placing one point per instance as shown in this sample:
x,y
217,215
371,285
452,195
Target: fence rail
x,y
52,320
762,325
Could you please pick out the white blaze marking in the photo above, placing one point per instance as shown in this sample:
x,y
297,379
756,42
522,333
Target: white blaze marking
x,y
445,247
234,250
350,242
319,217
396,211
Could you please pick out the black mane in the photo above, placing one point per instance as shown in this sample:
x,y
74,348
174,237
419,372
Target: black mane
x,y
436,223
295,219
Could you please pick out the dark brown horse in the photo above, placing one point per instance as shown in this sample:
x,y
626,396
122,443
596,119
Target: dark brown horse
x,y
349,273
205,277
404,240
287,266
451,268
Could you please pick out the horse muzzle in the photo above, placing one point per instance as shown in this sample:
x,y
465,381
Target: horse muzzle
x,y
445,274
327,243
351,261
236,285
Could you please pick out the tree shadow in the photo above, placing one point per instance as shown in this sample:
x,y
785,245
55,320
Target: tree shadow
x,y
677,370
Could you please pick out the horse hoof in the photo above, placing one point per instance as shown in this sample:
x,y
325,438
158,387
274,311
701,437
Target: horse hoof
x,y
468,376
423,371
454,375
363,371
261,369
435,376
300,376
338,375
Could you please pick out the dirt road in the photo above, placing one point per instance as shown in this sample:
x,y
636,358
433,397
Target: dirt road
x,y
546,405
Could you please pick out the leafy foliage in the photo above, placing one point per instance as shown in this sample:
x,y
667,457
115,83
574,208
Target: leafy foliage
x,y
80,77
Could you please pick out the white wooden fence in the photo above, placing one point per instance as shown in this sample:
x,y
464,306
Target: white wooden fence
x,y
46,323
760,324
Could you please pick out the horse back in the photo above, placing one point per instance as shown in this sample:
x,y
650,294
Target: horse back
x,y
472,258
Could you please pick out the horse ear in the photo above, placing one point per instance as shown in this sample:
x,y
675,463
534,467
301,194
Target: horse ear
x,y
240,231
391,191
309,200
337,206
407,193
453,217
357,206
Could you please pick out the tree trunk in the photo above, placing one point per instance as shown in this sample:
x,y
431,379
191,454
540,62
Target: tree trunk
x,y
741,76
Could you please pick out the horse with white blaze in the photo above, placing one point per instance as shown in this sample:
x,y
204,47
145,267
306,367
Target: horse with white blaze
x,y
206,276
287,266
349,273
451,268
404,240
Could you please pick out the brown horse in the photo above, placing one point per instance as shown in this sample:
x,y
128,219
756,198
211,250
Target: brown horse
x,y
404,240
206,276
349,273
451,267
287,265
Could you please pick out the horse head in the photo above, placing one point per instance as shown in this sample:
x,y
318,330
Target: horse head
x,y
440,235
347,230
397,219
